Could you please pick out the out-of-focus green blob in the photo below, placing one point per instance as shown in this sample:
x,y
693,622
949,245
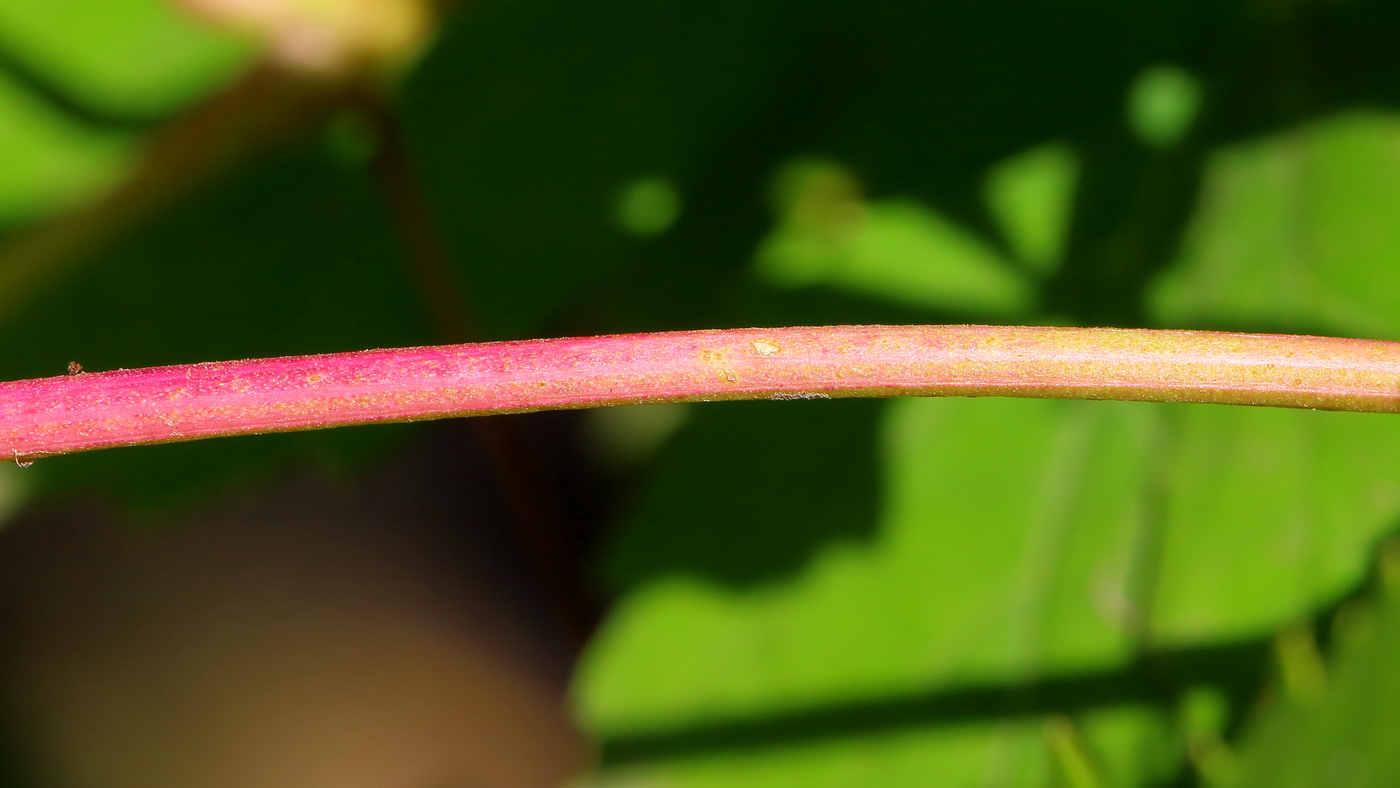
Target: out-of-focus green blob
x,y
1162,104
648,206
1031,195
624,437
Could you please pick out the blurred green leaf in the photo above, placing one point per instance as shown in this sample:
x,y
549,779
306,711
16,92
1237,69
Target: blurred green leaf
x,y
1268,515
1345,737
51,163
132,57
1031,194
1005,552
78,78
828,235
1292,232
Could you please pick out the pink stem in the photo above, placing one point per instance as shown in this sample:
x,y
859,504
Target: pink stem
x,y
94,410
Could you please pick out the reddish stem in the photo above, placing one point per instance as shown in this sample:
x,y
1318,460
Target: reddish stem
x,y
164,404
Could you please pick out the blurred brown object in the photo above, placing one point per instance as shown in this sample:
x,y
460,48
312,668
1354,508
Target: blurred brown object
x,y
314,632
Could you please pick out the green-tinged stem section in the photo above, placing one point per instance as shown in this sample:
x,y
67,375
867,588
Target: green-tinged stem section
x,y
95,410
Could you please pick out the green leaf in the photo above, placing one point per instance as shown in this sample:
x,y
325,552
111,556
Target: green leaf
x,y
1003,554
829,235
1140,555
1291,234
78,77
135,58
1345,736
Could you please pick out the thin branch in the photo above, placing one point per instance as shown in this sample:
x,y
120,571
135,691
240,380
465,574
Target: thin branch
x,y
425,251
164,404
538,520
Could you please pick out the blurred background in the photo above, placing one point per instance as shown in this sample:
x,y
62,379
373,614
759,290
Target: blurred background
x,y
833,593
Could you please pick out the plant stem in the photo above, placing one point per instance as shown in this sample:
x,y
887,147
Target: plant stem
x,y
165,404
